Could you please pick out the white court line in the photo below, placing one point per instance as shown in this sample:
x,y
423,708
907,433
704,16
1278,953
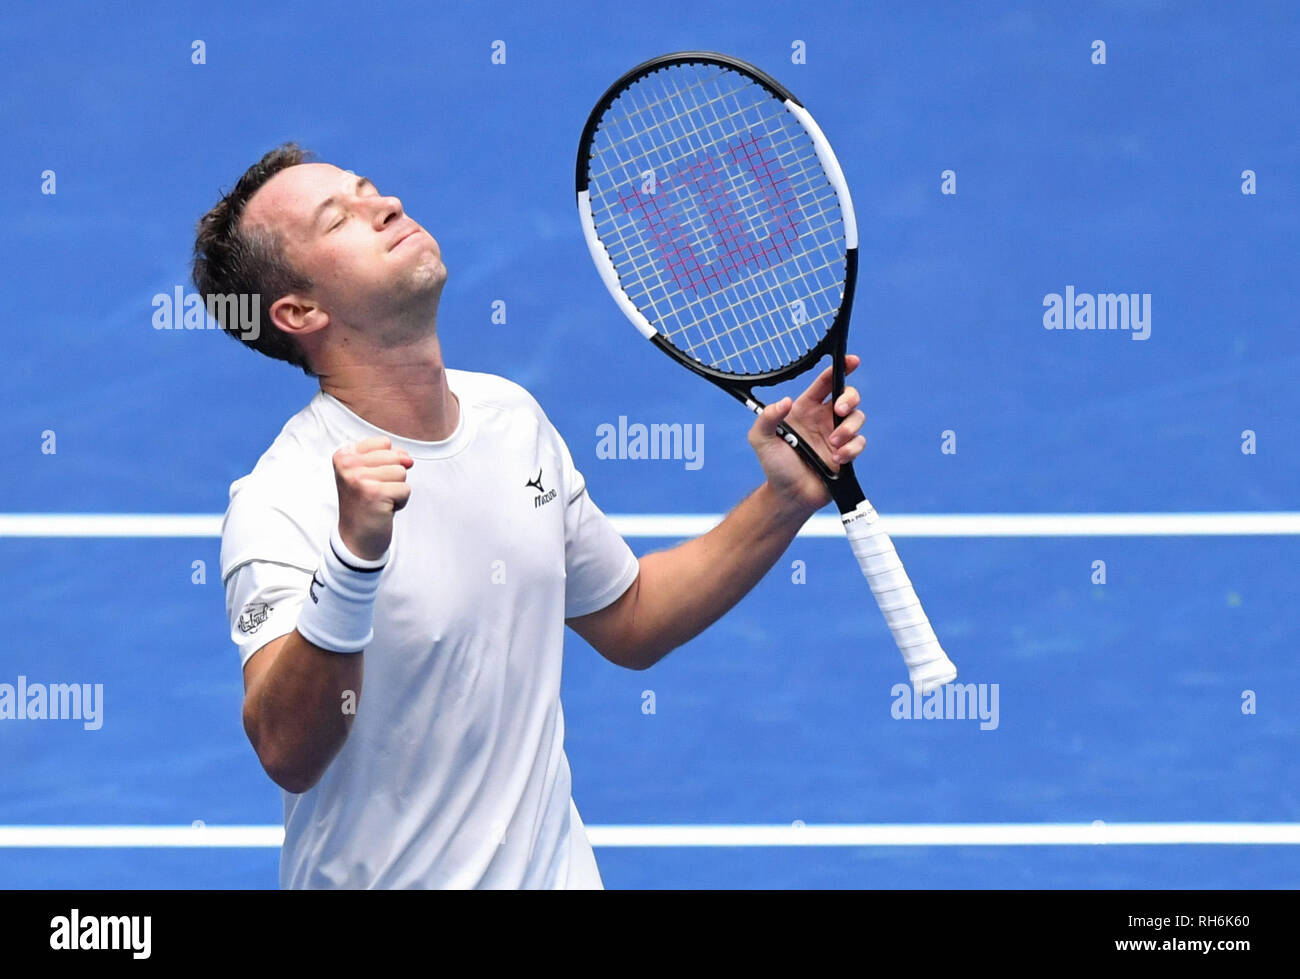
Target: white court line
x,y
871,834
672,525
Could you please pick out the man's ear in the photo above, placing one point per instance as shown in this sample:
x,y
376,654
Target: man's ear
x,y
298,316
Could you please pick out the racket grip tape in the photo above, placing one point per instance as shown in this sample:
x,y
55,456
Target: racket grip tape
x,y
927,663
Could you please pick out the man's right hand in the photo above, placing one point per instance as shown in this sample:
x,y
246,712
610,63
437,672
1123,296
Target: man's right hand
x,y
371,480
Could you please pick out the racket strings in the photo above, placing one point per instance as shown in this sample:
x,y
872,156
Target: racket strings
x,y
643,134
638,132
817,196
832,289
711,343
641,260
770,300
748,200
755,292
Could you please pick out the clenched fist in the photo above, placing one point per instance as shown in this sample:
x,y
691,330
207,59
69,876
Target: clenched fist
x,y
371,480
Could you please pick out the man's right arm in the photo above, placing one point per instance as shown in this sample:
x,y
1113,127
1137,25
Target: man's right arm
x,y
299,704
300,698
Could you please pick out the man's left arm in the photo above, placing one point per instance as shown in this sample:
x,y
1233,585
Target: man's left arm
x,y
681,592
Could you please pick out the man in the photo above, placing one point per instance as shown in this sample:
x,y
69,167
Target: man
x,y
402,672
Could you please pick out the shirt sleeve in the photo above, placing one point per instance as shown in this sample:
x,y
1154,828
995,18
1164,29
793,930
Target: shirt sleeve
x,y
284,517
263,600
272,537
598,564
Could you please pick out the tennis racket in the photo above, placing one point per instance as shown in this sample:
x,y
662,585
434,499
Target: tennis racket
x,y
720,222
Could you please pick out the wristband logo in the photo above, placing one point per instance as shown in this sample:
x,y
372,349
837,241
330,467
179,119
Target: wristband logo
x,y
253,617
311,589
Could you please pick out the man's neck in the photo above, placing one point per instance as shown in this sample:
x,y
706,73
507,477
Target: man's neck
x,y
402,390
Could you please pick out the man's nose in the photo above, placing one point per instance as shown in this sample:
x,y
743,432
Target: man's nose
x,y
386,209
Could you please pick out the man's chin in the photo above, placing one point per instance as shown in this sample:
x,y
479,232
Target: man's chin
x,y
421,288
430,275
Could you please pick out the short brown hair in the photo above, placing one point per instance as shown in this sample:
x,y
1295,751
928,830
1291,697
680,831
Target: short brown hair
x,y
229,261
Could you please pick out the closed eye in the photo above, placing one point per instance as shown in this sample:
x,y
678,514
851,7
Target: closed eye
x,y
363,183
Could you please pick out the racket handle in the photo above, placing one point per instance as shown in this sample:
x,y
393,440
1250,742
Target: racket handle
x,y
927,663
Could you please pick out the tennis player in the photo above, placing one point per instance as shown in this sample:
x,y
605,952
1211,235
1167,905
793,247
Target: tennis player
x,y
401,562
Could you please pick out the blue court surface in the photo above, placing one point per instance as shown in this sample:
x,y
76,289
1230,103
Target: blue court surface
x,y
1165,696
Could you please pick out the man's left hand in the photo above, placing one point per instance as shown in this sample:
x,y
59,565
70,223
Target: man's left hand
x,y
810,415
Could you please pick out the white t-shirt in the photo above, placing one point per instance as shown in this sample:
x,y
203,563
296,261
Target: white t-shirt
x,y
454,774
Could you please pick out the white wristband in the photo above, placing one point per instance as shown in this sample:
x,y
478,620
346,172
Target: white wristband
x,y
339,614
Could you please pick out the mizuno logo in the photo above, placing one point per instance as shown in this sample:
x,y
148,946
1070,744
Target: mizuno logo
x,y
544,495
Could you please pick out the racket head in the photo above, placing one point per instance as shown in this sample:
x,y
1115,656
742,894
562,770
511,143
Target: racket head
x,y
718,217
